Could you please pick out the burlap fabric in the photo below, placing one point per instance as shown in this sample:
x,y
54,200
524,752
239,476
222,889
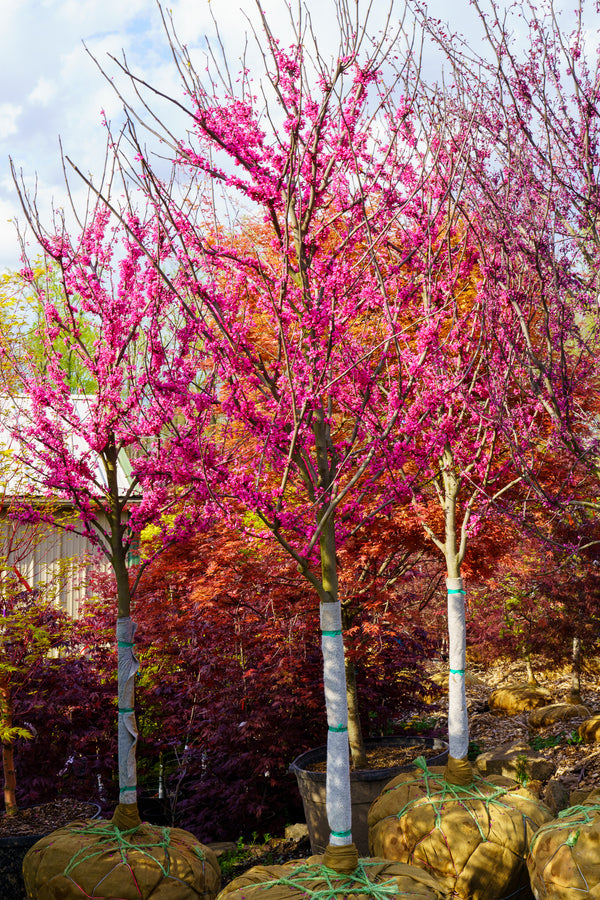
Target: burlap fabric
x,y
473,839
95,858
590,729
514,698
564,858
556,712
373,879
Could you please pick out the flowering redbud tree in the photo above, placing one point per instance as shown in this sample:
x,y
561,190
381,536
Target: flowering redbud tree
x,y
108,455
460,463
304,303
530,190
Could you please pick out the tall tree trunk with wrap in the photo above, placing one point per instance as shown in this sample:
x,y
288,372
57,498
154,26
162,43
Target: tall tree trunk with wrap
x,y
126,815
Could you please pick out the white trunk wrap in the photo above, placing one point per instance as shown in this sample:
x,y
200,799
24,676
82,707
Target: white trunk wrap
x,y
339,814
458,722
128,733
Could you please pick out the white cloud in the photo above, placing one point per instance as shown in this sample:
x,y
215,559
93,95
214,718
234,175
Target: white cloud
x,y
9,115
51,86
43,92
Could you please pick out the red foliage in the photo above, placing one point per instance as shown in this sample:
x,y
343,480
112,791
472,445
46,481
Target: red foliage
x,y
64,702
230,689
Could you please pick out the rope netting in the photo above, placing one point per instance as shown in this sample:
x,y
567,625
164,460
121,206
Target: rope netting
x,y
438,793
311,880
335,885
473,838
564,852
97,859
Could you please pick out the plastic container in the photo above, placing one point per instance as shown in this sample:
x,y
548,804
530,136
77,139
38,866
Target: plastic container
x,y
365,787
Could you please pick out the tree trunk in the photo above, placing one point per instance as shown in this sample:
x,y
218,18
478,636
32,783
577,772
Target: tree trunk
x,y
8,760
574,695
458,769
341,854
126,815
358,754
531,679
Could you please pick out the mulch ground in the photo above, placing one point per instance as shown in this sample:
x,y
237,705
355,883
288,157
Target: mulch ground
x,y
576,764
45,818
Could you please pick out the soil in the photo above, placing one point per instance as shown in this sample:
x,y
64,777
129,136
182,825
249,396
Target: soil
x,y
389,757
45,818
273,852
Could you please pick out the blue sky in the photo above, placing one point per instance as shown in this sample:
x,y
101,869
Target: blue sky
x,y
51,87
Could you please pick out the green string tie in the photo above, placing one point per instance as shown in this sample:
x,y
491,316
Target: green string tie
x,y
457,671
331,633
337,728
439,792
341,834
581,815
123,711
572,839
584,811
153,843
122,790
455,591
336,885
124,644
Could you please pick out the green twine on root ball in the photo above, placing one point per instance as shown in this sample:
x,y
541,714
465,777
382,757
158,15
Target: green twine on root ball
x,y
123,841
583,815
336,885
439,791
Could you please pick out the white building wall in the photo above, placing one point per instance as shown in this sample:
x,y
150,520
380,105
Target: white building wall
x,y
51,559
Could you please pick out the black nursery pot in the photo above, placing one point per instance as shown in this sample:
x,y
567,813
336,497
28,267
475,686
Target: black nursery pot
x,y
365,786
12,854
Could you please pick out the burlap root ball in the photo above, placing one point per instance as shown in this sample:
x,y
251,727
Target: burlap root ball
x,y
473,839
564,858
514,698
556,712
96,859
589,730
374,879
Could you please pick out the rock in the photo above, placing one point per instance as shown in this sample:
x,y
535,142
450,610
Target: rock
x,y
557,796
556,712
514,698
576,798
534,786
590,729
221,847
296,832
517,761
